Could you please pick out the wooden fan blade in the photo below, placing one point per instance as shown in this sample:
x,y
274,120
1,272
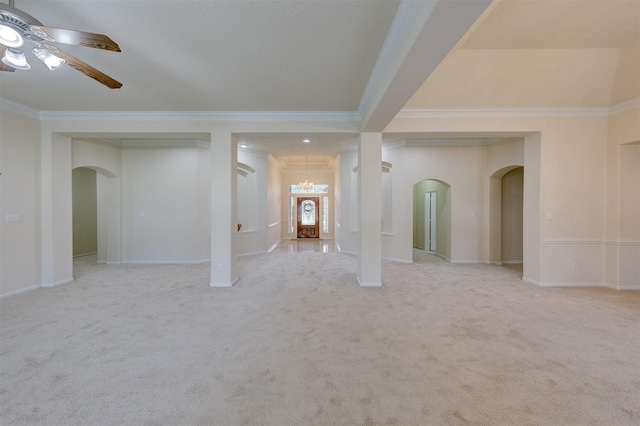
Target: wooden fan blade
x,y
88,70
3,66
79,38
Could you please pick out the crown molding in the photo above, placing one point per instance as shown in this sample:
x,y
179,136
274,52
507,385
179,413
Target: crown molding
x,y
312,116
624,106
500,112
19,108
519,112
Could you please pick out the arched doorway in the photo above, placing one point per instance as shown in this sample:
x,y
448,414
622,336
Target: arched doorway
x,y
84,211
432,217
96,214
506,216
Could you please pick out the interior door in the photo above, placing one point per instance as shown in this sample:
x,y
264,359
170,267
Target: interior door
x,y
308,217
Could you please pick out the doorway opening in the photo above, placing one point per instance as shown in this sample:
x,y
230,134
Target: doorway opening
x,y
432,217
507,217
84,212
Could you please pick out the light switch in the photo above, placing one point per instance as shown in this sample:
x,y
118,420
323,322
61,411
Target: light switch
x,y
15,217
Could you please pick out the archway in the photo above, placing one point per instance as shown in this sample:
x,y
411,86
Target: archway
x,y
506,217
432,217
96,224
84,211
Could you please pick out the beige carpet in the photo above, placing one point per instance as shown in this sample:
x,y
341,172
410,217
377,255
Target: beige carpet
x,y
297,342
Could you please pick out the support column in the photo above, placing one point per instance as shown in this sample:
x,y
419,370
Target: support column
x,y
532,213
370,210
224,164
56,210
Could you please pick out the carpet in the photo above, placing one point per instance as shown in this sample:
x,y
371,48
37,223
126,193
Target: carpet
x,y
297,342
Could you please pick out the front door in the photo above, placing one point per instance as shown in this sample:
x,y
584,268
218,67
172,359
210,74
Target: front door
x,y
308,217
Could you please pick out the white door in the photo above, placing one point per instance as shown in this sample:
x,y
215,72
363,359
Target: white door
x,y
430,220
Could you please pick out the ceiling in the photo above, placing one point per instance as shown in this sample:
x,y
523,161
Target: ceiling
x,y
541,54
316,55
275,55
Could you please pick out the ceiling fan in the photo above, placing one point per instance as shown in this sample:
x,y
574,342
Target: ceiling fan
x,y
19,30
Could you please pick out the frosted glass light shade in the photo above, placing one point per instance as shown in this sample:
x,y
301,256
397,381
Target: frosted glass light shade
x,y
48,57
10,37
16,59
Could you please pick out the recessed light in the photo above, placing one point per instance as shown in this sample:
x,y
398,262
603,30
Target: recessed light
x,y
306,141
244,145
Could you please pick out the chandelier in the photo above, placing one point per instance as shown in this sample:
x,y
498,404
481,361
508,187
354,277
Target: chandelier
x,y
306,186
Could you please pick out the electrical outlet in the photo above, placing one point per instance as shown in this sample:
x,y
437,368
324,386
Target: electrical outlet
x,y
219,266
574,266
174,249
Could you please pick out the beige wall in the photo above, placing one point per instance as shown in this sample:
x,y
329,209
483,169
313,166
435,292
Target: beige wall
x,y
623,200
565,190
20,244
579,203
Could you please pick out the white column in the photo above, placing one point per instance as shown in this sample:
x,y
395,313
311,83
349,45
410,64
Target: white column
x,y
56,210
370,210
532,236
224,164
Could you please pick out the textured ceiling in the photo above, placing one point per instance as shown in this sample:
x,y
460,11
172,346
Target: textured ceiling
x,y
178,55
317,55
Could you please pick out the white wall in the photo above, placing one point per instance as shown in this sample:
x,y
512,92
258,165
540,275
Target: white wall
x,y
252,203
106,159
20,199
348,212
337,201
274,203
160,205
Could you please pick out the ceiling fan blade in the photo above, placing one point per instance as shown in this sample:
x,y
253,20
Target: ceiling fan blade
x,y
3,66
80,38
88,70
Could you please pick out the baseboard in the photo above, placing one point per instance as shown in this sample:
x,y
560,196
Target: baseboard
x,y
160,262
57,283
252,253
85,254
511,262
391,259
369,284
572,284
224,285
530,281
580,284
22,290
623,287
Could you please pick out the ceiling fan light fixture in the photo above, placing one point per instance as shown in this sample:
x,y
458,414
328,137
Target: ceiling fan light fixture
x,y
10,37
16,59
48,57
